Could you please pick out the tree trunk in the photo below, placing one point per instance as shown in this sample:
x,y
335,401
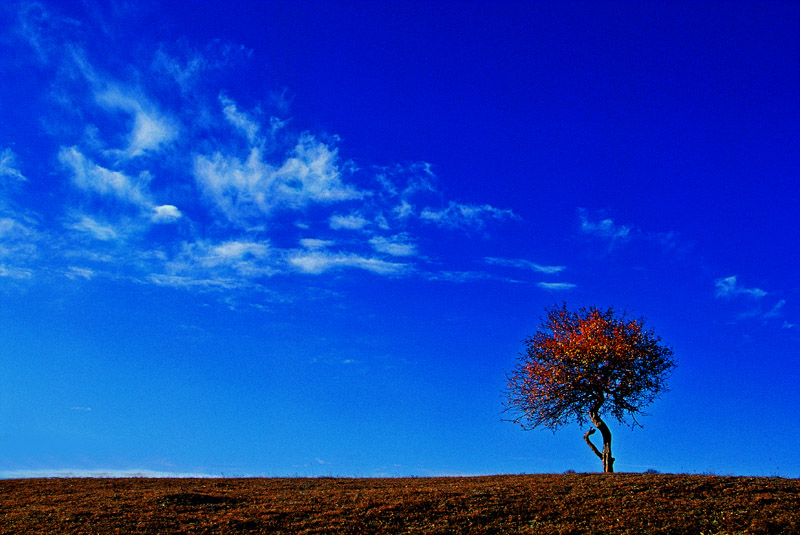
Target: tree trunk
x,y
605,456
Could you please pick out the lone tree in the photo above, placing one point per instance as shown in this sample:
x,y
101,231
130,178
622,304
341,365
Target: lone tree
x,y
587,364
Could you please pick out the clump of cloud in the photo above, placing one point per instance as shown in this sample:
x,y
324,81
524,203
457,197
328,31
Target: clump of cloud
x,y
727,287
604,228
166,213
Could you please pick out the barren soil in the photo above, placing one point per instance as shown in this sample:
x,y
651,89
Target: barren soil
x,y
541,504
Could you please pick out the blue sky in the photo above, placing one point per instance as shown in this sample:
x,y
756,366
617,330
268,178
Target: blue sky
x,y
296,238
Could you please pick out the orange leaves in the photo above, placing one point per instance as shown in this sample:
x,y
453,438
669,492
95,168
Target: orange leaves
x,y
589,357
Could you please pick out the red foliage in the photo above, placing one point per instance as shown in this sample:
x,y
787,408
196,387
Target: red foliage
x,y
586,361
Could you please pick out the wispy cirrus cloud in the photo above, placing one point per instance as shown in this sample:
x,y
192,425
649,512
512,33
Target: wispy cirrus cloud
x,y
91,177
776,310
74,272
14,272
20,245
253,188
240,120
102,231
727,287
316,243
616,235
465,216
398,245
604,228
150,129
167,176
730,289
525,264
227,260
9,168
556,286
18,234
190,65
40,29
351,221
319,261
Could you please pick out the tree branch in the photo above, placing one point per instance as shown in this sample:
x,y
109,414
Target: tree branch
x,y
588,441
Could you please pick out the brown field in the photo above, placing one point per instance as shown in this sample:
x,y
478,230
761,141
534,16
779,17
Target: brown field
x,y
569,503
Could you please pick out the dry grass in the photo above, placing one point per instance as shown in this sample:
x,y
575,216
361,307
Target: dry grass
x,y
541,504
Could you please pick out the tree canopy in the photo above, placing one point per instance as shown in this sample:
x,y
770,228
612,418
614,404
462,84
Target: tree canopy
x,y
581,365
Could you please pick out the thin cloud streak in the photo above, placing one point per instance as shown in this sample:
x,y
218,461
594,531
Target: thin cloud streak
x,y
8,165
465,216
556,286
524,264
317,262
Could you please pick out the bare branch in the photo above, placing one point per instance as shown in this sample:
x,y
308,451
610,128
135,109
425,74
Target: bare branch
x,y
591,445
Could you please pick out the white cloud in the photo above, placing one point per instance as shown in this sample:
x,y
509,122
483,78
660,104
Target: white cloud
x,y
165,213
239,119
311,173
100,231
188,65
315,243
12,229
74,272
231,259
89,176
404,210
729,287
115,118
37,26
351,221
150,130
464,216
236,250
238,189
556,286
317,262
776,310
605,228
459,277
399,245
19,246
524,264
185,281
242,190
14,272
8,165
